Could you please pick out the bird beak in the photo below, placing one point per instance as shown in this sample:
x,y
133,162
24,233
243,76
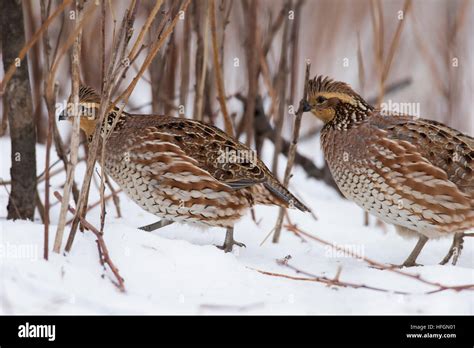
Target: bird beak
x,y
62,116
306,106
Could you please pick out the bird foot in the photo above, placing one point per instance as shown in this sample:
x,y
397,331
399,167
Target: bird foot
x,y
446,259
410,264
407,264
454,251
228,245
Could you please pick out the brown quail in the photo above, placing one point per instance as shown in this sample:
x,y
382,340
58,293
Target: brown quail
x,y
183,170
411,172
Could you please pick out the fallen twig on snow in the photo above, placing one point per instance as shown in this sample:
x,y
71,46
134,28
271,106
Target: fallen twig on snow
x,y
92,206
326,280
440,287
103,251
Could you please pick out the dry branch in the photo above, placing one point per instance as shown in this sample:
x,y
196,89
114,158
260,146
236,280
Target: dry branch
x,y
292,152
49,137
29,44
154,50
93,205
395,42
76,52
282,82
229,128
252,52
103,251
264,130
201,59
325,280
134,52
439,287
50,101
185,62
115,71
294,41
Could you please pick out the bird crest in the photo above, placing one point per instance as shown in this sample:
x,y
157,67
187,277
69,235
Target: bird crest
x,y
326,85
88,94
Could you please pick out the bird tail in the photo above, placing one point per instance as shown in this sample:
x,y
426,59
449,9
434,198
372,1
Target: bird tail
x,y
274,193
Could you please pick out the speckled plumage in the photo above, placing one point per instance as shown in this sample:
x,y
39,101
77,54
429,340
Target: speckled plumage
x,y
174,168
413,173
170,167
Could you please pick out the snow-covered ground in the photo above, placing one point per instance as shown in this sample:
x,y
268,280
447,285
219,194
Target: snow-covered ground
x,y
178,270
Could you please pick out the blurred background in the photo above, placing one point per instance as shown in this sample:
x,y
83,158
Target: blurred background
x,y
399,53
395,51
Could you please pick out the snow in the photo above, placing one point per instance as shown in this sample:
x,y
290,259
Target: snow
x,y
178,270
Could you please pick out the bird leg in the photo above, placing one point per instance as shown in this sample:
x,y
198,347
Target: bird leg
x,y
455,249
411,259
229,241
156,225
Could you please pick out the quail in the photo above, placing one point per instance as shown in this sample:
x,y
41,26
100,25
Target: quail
x,y
181,169
411,172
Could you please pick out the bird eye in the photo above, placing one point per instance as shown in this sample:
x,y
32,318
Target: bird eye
x,y
320,99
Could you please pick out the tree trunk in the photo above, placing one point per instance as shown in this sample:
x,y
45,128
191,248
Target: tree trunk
x,y
21,204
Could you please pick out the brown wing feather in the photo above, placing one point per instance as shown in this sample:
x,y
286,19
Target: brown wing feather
x,y
422,154
210,148
443,147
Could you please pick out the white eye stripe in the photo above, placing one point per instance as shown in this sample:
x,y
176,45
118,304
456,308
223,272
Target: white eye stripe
x,y
341,96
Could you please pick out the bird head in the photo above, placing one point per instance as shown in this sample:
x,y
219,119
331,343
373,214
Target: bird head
x,y
330,100
87,109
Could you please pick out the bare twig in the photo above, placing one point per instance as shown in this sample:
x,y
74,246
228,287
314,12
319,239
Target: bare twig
x,y
282,82
95,204
103,252
41,212
229,128
264,130
76,52
50,102
29,44
154,50
252,50
40,178
124,36
134,52
294,41
201,61
114,69
439,287
395,42
185,62
79,24
326,280
292,152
